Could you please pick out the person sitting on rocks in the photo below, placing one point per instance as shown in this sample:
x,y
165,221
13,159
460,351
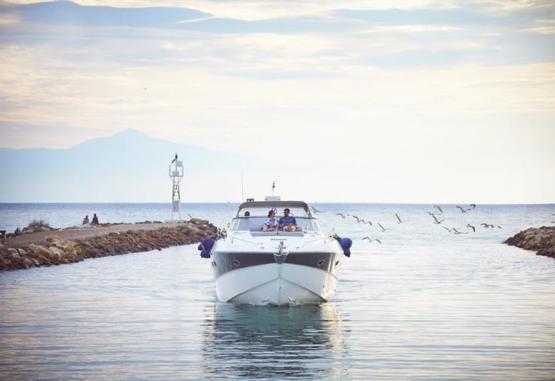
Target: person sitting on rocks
x,y
287,223
94,220
271,225
86,220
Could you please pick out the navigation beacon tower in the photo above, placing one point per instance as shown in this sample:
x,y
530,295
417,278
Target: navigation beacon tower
x,y
176,174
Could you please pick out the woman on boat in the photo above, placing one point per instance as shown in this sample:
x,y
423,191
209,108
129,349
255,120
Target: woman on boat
x,y
271,225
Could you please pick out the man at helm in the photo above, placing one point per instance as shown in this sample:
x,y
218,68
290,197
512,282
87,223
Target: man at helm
x,y
287,223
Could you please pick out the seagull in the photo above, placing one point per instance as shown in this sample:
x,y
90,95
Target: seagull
x,y
370,240
463,210
457,232
356,218
438,208
473,206
315,210
362,221
436,221
471,227
341,215
381,227
498,227
446,228
487,225
369,222
399,220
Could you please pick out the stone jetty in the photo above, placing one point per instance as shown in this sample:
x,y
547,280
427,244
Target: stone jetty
x,y
48,247
541,240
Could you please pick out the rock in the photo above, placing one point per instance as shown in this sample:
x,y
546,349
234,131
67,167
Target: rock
x,y
54,251
541,240
13,252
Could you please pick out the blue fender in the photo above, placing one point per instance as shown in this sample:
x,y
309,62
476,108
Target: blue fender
x,y
345,244
205,247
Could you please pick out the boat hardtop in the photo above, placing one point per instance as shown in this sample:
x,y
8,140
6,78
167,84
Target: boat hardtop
x,y
252,215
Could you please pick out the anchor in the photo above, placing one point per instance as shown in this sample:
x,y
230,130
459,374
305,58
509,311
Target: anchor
x,y
280,256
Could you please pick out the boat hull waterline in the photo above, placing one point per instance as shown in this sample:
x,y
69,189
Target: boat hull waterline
x,y
276,284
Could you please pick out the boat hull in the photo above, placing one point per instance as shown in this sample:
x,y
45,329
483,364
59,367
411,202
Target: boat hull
x,y
277,284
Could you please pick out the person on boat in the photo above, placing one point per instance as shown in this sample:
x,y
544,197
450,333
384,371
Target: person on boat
x,y
271,225
287,223
94,220
86,220
247,214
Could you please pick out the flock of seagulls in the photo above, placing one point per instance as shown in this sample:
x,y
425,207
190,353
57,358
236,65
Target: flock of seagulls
x,y
362,220
438,215
470,228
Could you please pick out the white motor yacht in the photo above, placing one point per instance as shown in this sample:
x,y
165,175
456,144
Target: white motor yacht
x,y
252,266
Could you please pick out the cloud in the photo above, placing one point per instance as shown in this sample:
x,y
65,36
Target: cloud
x,y
397,93
68,13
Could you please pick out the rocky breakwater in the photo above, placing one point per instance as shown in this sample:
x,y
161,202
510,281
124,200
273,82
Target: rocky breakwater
x,y
76,244
541,240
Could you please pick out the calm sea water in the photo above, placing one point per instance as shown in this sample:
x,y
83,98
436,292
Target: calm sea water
x,y
423,305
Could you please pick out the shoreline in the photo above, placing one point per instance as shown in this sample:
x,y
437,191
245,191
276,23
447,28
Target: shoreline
x,y
75,244
541,240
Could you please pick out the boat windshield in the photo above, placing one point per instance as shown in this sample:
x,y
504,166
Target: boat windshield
x,y
258,211
254,224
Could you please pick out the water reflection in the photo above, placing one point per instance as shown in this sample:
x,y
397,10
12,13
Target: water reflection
x,y
272,342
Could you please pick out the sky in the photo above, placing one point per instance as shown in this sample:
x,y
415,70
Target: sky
x,y
386,101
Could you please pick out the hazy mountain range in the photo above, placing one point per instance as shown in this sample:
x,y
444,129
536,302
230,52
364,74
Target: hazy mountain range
x,y
128,166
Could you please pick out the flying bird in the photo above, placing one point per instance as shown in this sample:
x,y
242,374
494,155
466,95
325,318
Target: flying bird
x,y
341,215
473,206
356,218
315,210
436,220
369,222
438,208
446,228
463,210
399,220
370,240
457,232
471,227
381,227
